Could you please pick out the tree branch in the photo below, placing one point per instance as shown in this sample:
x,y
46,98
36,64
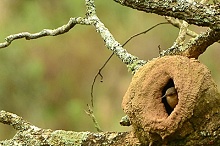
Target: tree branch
x,y
28,134
45,32
194,13
132,62
177,23
12,119
195,46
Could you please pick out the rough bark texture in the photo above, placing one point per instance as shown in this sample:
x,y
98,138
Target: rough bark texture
x,y
192,12
195,119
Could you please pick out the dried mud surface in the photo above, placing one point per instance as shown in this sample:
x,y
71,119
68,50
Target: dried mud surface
x,y
142,101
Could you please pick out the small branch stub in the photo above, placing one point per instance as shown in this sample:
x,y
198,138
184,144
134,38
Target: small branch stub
x,y
197,92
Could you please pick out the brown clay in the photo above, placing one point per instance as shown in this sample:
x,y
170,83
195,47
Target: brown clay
x,y
142,101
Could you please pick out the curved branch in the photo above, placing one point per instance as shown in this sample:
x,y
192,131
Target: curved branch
x,y
28,134
195,46
91,19
45,32
177,23
198,45
130,60
194,13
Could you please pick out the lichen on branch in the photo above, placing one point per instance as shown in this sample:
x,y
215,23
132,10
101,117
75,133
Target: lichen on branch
x,y
192,12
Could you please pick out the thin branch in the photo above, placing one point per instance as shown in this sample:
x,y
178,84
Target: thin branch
x,y
45,32
182,34
103,66
144,32
99,74
177,23
91,19
90,114
130,60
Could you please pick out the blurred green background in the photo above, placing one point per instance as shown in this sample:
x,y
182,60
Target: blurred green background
x,y
48,81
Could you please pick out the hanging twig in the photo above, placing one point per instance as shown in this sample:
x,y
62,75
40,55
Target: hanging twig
x,y
103,66
91,114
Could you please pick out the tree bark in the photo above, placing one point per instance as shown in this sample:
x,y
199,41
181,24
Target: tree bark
x,y
192,12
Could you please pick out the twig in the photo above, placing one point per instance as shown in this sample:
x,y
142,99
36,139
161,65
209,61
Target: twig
x,y
177,23
182,34
90,113
103,66
144,32
98,74
91,18
45,32
159,50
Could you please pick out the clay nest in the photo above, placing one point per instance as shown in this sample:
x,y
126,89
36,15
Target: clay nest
x,y
149,115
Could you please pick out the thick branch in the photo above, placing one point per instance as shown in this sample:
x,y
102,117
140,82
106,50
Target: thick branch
x,y
195,46
198,45
12,119
194,13
28,134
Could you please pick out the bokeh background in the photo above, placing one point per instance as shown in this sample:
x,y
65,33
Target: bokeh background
x,y
48,81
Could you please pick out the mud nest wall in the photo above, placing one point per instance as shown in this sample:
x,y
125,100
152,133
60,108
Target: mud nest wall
x,y
197,92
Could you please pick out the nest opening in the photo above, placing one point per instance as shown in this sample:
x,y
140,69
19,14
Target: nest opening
x,y
169,84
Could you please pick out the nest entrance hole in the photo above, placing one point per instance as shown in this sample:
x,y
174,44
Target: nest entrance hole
x,y
169,84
